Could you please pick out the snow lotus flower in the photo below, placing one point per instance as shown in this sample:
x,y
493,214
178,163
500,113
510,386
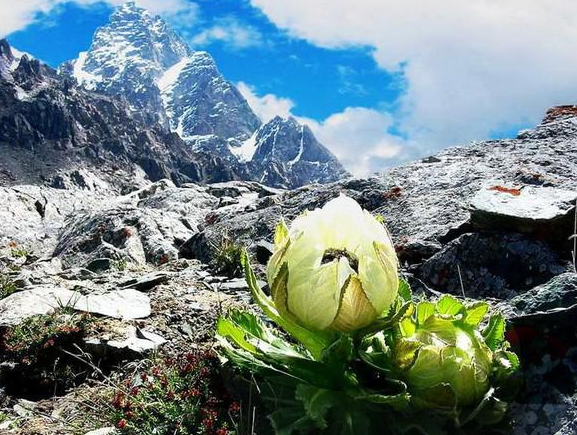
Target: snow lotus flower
x,y
334,269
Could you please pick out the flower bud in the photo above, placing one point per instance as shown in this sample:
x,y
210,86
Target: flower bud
x,y
334,269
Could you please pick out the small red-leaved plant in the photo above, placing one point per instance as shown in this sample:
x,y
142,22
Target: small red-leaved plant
x,y
181,396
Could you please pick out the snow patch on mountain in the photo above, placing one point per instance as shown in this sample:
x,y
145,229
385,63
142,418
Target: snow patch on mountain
x,y
83,77
245,152
301,147
172,74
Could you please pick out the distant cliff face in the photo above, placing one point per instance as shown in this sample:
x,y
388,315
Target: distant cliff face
x,y
138,57
51,130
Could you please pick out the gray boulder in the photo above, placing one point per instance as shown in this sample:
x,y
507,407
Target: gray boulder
x,y
491,266
544,212
120,304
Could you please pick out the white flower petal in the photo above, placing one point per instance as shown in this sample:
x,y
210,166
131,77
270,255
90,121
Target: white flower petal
x,y
314,294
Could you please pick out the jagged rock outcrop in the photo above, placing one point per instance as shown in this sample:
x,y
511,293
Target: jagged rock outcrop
x,y
200,102
277,162
56,133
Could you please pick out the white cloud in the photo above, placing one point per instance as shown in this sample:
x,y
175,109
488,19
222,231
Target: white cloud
x,y
471,67
268,106
17,15
357,136
348,84
231,32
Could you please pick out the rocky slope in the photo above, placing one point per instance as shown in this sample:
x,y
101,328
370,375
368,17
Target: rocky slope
x,y
488,220
137,56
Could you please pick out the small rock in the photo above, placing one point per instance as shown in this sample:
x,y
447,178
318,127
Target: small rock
x,y
103,431
431,159
193,305
40,300
186,329
120,304
24,408
147,282
77,273
236,284
263,251
226,201
226,190
6,424
136,341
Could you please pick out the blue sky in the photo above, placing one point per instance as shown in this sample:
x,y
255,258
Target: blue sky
x,y
380,82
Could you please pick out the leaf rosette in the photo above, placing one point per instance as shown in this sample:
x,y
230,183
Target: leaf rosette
x,y
453,358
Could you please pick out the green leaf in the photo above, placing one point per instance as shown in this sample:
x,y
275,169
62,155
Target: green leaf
x,y
490,410
340,353
449,306
243,328
436,328
440,397
396,395
315,342
424,311
405,291
376,352
475,313
405,353
407,327
494,333
316,403
392,319
509,360
281,234
506,372
263,352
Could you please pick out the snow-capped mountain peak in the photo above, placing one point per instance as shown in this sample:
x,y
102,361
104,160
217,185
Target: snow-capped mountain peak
x,y
134,38
138,57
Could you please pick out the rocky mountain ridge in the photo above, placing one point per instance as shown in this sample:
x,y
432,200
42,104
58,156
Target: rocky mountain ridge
x,y
59,134
138,57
